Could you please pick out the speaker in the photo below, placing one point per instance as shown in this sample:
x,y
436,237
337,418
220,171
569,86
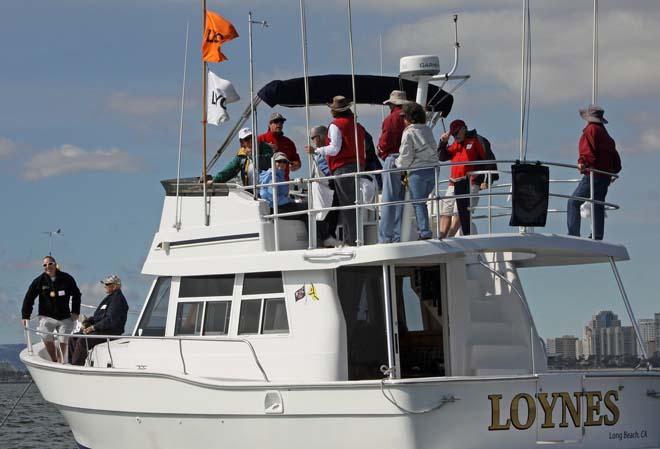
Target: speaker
x,y
530,194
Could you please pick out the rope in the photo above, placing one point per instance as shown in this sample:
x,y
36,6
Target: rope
x,y
443,401
16,404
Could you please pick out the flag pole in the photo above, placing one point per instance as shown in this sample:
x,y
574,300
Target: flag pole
x,y
204,119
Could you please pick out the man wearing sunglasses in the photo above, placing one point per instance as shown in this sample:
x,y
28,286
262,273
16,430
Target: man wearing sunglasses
x,y
55,289
280,143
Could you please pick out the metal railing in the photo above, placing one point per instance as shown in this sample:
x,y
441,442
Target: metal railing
x,y
492,192
108,338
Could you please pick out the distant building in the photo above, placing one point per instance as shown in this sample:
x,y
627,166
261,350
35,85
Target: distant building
x,y
564,347
648,334
604,342
657,332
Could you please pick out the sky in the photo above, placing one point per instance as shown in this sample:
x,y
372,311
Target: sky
x,y
90,94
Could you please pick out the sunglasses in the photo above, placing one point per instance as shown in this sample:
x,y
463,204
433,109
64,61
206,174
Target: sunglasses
x,y
278,121
49,264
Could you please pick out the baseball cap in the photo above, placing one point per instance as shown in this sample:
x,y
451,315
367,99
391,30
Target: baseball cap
x,y
244,132
280,157
456,126
275,116
111,279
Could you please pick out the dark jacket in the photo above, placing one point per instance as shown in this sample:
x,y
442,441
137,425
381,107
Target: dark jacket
x,y
110,316
53,296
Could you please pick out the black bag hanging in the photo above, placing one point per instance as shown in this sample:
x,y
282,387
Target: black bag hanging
x,y
530,193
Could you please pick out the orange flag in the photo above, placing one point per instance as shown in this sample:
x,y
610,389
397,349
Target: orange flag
x,y
218,30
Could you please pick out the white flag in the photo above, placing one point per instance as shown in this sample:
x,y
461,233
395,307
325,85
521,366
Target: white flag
x,y
220,93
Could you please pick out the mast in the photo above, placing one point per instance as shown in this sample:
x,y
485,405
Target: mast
x,y
358,212
594,70
303,35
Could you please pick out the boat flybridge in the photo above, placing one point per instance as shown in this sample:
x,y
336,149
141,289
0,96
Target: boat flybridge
x,y
251,337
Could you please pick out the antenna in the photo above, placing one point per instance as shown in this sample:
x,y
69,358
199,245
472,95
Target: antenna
x,y
50,239
255,145
177,219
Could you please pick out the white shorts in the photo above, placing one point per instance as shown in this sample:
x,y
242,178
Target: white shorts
x,y
48,324
448,206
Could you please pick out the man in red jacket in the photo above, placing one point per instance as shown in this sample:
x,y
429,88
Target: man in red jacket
x,y
275,136
597,151
466,147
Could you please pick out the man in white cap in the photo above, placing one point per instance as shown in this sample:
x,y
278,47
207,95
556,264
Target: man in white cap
x,y
109,319
388,150
597,151
241,164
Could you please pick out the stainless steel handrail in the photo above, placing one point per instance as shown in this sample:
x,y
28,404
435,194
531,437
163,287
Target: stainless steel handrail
x,y
435,198
29,343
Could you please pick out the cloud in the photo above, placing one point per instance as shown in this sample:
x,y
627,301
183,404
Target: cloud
x,y
561,51
72,159
144,107
7,148
650,141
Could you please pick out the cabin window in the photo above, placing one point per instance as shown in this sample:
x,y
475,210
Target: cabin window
x,y
188,318
216,318
205,286
275,320
263,310
154,318
360,292
262,283
250,315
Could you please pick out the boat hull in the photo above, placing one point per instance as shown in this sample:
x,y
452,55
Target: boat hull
x,y
108,408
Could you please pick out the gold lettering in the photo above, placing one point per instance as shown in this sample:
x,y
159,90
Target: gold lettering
x,y
515,411
547,409
573,409
593,399
610,397
495,414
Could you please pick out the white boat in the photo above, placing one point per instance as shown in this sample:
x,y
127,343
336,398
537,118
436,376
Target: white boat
x,y
248,339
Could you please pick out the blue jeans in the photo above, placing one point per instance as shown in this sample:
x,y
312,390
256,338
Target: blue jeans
x,y
601,184
389,229
421,184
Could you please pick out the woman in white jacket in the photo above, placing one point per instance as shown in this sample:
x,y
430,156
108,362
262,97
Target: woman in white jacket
x,y
418,149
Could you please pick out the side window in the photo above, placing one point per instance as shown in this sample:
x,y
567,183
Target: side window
x,y
154,317
216,319
263,309
204,305
205,286
275,320
188,318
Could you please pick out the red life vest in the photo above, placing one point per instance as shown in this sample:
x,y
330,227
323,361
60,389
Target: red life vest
x,y
346,154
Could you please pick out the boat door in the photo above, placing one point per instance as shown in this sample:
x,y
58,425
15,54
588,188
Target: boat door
x,y
560,408
420,323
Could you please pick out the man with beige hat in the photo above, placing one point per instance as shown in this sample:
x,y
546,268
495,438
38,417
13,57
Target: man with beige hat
x,y
597,151
388,150
343,154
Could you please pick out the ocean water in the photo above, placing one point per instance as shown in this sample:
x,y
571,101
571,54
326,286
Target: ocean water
x,y
34,424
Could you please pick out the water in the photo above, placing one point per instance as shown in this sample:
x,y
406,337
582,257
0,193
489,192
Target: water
x,y
34,424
